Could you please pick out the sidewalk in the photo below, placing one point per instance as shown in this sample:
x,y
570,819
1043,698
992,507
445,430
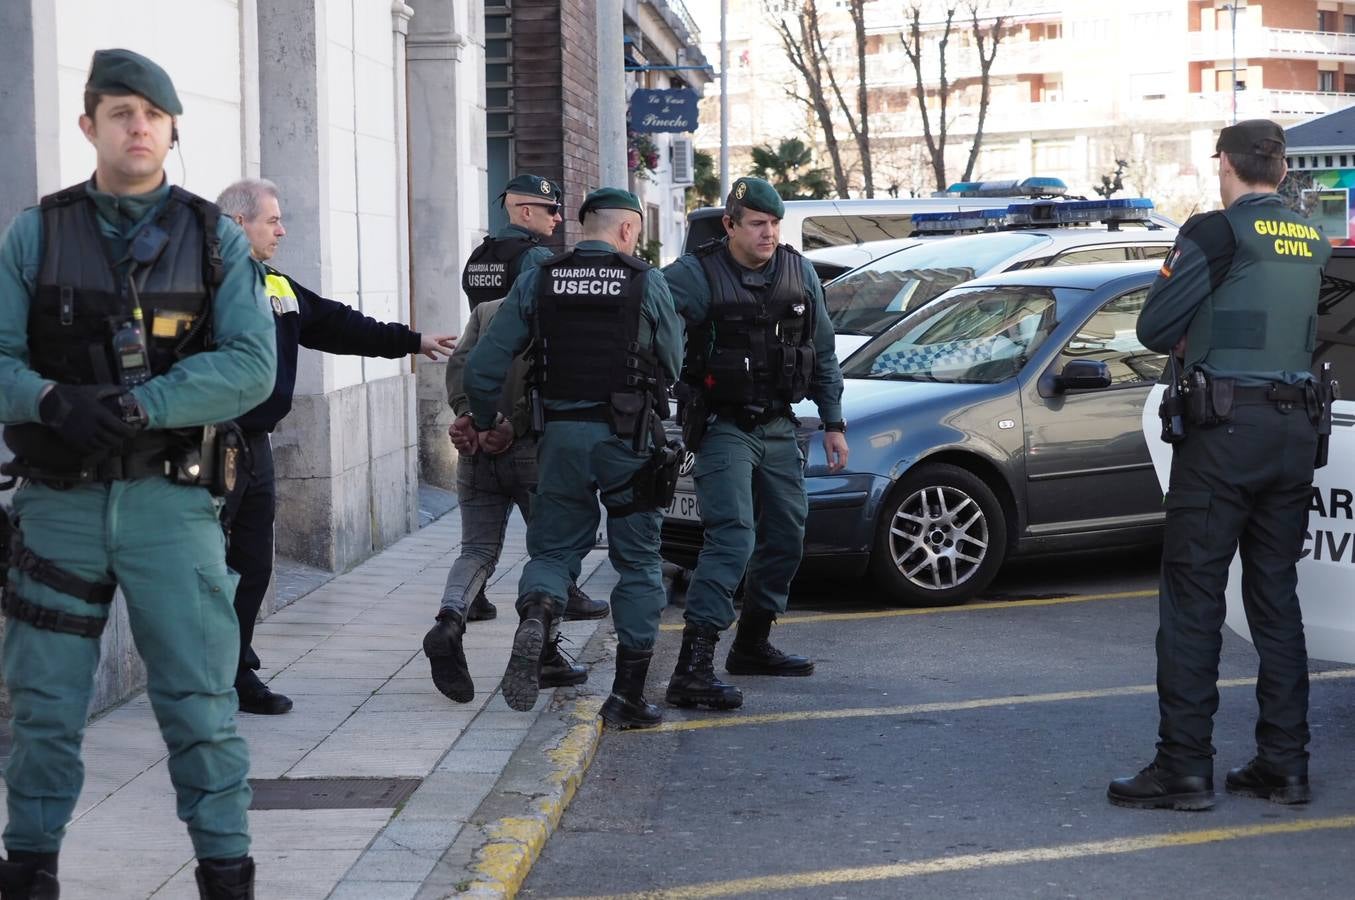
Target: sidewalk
x,y
333,812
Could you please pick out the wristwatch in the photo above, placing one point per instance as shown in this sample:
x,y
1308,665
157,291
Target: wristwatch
x,y
839,427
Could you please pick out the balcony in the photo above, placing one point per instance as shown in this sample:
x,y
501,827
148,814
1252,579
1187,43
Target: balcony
x,y
893,67
1269,43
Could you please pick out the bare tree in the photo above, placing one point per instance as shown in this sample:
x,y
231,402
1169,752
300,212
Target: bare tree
x,y
805,52
808,53
987,35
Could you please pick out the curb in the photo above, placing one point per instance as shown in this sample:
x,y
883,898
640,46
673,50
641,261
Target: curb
x,y
493,854
515,842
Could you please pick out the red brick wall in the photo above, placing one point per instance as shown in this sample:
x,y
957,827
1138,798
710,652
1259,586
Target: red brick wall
x,y
1288,75
1300,14
555,99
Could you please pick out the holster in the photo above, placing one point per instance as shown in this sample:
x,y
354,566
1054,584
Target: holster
x,y
1327,391
695,418
629,412
655,482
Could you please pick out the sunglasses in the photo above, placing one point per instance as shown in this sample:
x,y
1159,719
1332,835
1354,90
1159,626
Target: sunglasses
x,y
552,209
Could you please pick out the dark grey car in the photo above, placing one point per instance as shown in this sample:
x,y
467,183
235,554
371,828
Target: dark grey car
x,y
1002,418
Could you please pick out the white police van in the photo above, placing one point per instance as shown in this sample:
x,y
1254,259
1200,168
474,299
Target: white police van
x,y
1327,568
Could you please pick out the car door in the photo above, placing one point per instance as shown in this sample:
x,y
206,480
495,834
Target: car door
x,y
1087,463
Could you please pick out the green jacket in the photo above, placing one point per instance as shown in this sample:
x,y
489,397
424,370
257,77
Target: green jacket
x,y
510,332
201,389
692,296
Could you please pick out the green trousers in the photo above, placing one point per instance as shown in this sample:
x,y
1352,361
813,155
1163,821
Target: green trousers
x,y
578,462
162,544
750,485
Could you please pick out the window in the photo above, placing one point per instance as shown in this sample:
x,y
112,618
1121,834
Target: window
x,y
498,101
1109,336
1349,23
1326,82
1157,251
1326,20
833,231
1089,256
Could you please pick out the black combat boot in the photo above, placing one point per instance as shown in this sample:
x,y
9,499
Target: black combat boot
x,y
627,706
694,682
1159,788
447,659
559,669
481,610
1258,779
752,654
581,606
521,680
226,879
29,876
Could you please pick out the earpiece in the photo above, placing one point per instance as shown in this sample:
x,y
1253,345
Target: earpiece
x,y
173,135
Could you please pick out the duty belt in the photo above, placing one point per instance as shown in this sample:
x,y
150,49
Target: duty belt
x,y
1277,394
587,414
750,417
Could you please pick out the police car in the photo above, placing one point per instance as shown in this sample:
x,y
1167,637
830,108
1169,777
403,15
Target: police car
x,y
1327,568
970,244
979,424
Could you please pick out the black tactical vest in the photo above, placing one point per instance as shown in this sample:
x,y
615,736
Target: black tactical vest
x,y
493,267
754,349
587,326
81,302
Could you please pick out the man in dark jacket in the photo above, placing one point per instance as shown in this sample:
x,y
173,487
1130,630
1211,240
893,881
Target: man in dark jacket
x,y
303,319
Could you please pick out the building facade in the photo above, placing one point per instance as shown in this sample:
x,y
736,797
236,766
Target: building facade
x,y
1075,86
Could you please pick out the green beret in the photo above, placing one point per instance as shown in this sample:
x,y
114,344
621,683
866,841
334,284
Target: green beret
x,y
758,194
125,72
534,186
610,198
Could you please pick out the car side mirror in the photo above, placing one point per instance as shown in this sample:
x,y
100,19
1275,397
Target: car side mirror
x,y
1082,375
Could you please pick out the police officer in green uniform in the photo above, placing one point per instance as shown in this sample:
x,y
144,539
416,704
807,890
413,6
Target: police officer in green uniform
x,y
533,205
606,341
131,316
759,339
1237,298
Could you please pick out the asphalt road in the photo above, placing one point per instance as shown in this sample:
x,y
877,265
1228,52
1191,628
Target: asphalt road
x,y
952,754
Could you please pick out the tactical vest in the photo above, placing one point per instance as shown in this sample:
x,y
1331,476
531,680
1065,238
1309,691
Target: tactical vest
x,y
493,267
80,301
586,327
754,349
1263,317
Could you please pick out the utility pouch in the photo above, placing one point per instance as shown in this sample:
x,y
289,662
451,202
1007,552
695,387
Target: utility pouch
x,y
1172,409
628,411
214,462
1209,401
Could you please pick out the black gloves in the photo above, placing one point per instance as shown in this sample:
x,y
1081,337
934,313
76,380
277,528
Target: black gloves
x,y
90,418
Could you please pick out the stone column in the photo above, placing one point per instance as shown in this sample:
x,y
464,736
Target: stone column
x,y
446,178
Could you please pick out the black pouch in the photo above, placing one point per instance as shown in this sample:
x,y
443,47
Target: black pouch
x,y
1221,399
695,418
627,411
214,461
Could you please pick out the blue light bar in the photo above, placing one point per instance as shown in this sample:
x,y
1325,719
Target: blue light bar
x,y
963,220
1080,212
1028,187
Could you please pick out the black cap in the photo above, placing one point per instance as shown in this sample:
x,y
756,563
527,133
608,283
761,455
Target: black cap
x,y
1259,137
120,71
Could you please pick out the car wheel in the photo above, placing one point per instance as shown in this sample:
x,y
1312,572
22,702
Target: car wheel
x,y
941,537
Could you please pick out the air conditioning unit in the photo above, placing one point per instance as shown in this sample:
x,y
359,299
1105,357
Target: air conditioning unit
x,y
684,168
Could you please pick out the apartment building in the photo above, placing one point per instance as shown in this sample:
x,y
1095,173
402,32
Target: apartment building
x,y
1076,86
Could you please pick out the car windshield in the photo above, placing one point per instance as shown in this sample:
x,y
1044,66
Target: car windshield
x,y
870,299
977,335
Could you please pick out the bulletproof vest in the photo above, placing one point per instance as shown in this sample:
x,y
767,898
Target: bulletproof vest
x,y
755,347
493,266
1263,317
587,326
81,300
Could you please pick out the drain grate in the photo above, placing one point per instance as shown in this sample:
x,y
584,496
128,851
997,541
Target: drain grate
x,y
331,793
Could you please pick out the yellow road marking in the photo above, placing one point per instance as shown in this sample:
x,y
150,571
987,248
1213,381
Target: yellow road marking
x,y
933,610
972,861
812,715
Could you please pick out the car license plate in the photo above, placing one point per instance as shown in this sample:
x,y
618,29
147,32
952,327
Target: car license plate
x,y
685,507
